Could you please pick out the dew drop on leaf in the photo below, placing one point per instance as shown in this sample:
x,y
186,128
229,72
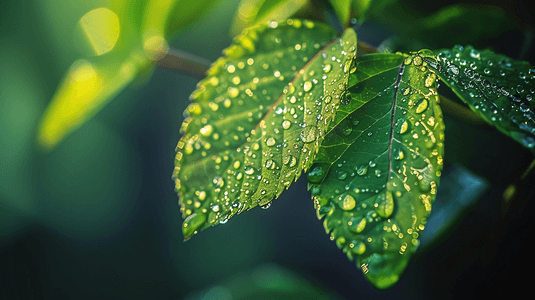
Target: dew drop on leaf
x,y
404,127
421,107
286,124
307,86
233,92
348,202
308,135
270,141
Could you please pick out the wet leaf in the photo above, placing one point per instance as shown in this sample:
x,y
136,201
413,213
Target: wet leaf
x,y
377,171
256,121
117,45
498,88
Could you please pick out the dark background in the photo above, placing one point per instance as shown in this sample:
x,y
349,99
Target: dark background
x,y
97,217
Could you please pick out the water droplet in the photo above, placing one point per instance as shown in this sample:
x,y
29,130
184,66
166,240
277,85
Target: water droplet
x,y
358,224
270,164
347,65
236,80
233,92
308,134
249,171
453,69
206,130
289,160
404,127
362,170
347,131
342,175
218,181
528,141
307,86
353,67
267,205
192,223
398,154
348,202
345,98
474,53
430,80
286,124
359,248
384,205
327,68
270,141
316,174
422,106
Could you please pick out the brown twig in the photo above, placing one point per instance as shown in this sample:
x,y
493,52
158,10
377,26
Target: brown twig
x,y
183,62
460,111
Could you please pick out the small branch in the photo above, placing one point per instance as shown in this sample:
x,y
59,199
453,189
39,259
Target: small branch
x,y
195,66
460,112
186,63
366,48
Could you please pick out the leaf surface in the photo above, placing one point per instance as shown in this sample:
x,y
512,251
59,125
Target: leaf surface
x,y
256,121
342,8
376,173
500,89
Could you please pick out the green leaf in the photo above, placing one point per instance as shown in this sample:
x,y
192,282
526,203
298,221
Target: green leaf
x,y
342,8
117,43
377,171
360,8
498,88
253,12
256,121
345,9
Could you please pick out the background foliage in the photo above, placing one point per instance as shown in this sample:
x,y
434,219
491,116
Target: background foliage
x,y
98,217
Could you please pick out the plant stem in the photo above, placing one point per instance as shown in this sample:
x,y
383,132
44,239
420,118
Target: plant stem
x,y
366,48
460,111
186,63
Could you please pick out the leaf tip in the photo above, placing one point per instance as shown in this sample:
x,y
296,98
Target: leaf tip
x,y
383,270
191,225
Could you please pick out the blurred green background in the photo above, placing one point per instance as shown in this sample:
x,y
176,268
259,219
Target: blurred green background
x,y
97,216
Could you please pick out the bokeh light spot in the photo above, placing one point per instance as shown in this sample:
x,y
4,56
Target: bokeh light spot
x,y
101,28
